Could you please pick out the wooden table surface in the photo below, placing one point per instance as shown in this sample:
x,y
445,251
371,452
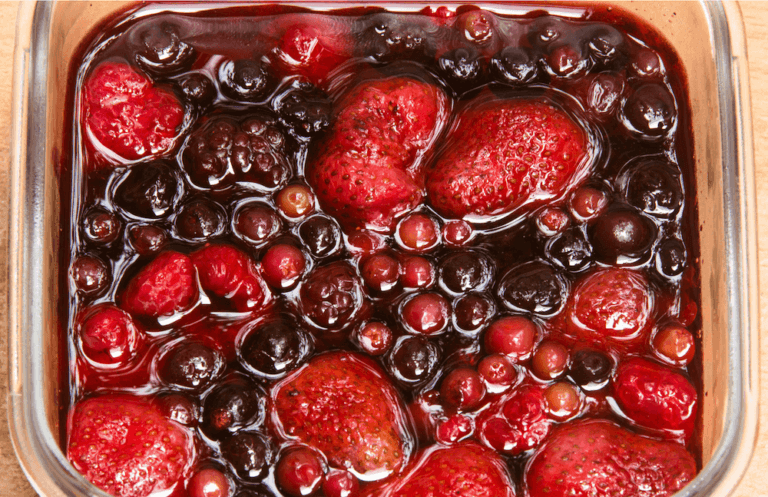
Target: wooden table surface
x,y
755,482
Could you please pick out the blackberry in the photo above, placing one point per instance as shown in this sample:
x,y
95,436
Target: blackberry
x,y
245,80
331,295
307,114
159,49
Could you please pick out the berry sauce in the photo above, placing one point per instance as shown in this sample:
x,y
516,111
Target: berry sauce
x,y
215,252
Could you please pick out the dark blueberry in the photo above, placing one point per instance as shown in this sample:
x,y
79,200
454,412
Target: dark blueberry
x,y
191,365
650,110
275,348
161,50
546,30
604,94
90,275
622,235
465,271
200,219
671,258
461,67
321,235
148,190
472,311
655,187
645,64
257,222
566,61
233,404
414,360
533,287
571,250
306,114
245,79
147,239
179,408
102,227
198,88
331,296
388,38
605,43
515,65
249,454
589,367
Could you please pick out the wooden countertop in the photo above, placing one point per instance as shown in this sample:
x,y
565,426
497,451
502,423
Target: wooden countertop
x,y
755,15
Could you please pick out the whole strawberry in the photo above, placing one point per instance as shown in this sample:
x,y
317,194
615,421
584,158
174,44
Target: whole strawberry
x,y
507,155
123,445
463,470
341,404
365,172
164,287
598,458
125,115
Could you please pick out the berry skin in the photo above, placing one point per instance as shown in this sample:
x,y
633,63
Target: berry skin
x,y
101,227
200,220
621,235
199,89
563,400
164,287
507,155
515,65
390,39
299,472
498,371
590,368
149,191
127,116
123,445
295,201
655,187
232,404
375,338
161,49
454,429
380,272
331,296
516,422
550,360
256,223
650,111
191,365
282,265
462,68
418,272
147,239
587,203
414,360
655,397
457,233
462,389
464,271
275,348
307,115
471,312
599,458
418,233
109,335
320,235
532,287
341,404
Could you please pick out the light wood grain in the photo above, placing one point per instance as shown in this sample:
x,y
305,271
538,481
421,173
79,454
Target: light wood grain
x,y
755,482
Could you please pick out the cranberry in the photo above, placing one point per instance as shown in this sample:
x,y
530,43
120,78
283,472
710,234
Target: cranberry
x,y
533,287
331,295
571,250
275,348
671,258
231,405
590,367
605,43
454,429
426,313
462,389
477,26
340,483
179,408
418,233
418,272
603,95
655,188
465,271
414,360
457,233
256,223
645,64
380,272
563,400
244,79
650,111
320,235
461,67
249,454
90,275
102,227
675,345
191,365
108,335
566,61
588,203
497,370
282,265
552,220
550,360
198,89
295,201
389,38
471,312
147,239
209,482
513,336
515,65
200,220
299,472
375,338
148,191
161,50
622,236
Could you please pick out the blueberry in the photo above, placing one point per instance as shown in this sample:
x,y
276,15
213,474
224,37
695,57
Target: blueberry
x,y
671,258
198,89
321,235
571,250
533,287
249,454
179,408
650,111
566,61
546,30
275,348
256,222
102,227
200,219
655,188
245,79
589,367
515,65
148,191
622,235
606,44
461,67
90,275
414,360
191,365
465,271
231,405
161,50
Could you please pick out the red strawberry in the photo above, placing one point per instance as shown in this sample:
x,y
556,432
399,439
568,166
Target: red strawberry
x,y
122,444
167,285
127,115
597,458
230,273
341,404
463,470
505,155
366,172
108,335
655,397
314,46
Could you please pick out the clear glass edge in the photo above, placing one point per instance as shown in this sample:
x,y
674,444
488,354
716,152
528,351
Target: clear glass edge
x,y
47,468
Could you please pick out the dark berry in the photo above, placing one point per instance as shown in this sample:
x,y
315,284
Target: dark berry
x,y
90,275
299,472
671,258
655,187
191,365
306,115
571,250
274,348
418,233
464,271
588,203
320,235
603,95
457,233
476,26
550,360
497,370
340,483
606,44
245,79
533,287
148,190
282,265
256,222
512,336
231,405
102,227
471,312
622,235
389,39
380,272
650,111
198,89
257,491
645,64
589,367
418,272
414,360
426,313
546,30
295,201
515,65
566,61
375,338
331,296
563,400
462,389
179,408
462,68
160,49
225,150
675,345
249,454
200,219
147,239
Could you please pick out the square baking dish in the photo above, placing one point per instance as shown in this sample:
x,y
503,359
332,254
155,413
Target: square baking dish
x,y
709,39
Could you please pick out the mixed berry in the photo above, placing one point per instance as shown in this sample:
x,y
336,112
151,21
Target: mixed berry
x,y
378,254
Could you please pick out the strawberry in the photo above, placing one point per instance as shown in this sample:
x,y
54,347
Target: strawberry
x,y
164,287
313,46
230,273
126,115
655,397
365,172
506,155
598,458
108,335
463,470
341,404
125,446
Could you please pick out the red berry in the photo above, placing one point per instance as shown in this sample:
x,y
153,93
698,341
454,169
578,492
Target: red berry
x,y
147,239
675,345
563,400
256,223
550,360
365,242
101,227
418,272
299,472
462,389
552,221
340,483
472,312
476,26
90,275
375,338
295,201
426,313
209,482
109,335
314,50
164,287
454,429
513,336
497,370
588,203
282,265
516,422
230,273
380,272
418,233
457,233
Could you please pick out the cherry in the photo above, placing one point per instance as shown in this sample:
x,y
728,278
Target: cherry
x,y
465,271
650,111
340,483
462,389
101,227
244,79
418,233
645,64
108,335
282,265
295,201
375,338
588,203
566,61
417,272
497,370
179,408
191,365
147,239
274,348
671,258
209,482
200,220
299,472
454,429
552,220
320,235
426,313
380,272
603,95
513,336
365,242
249,454
515,65
550,360
675,345
90,275
622,236
590,367
414,360
457,233
563,400
471,312
256,223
